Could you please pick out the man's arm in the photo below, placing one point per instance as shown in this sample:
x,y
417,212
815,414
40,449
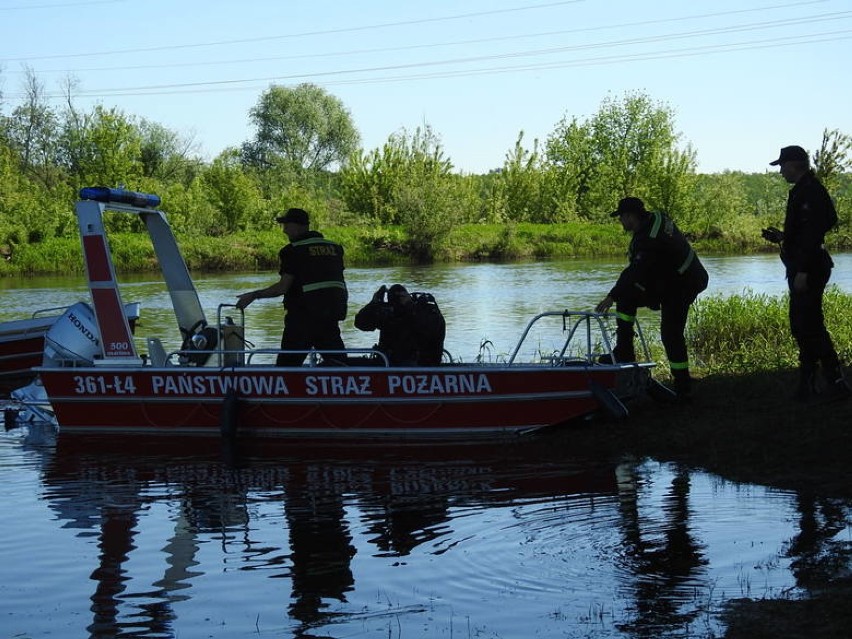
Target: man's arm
x,y
278,289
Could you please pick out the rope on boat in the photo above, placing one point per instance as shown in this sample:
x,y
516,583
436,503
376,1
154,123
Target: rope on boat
x,y
262,412
143,406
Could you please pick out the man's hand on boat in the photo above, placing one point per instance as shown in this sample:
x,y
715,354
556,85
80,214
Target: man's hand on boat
x,y
245,299
604,305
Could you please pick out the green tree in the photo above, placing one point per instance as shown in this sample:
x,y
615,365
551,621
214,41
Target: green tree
x,y
303,127
102,147
628,148
27,212
519,187
833,159
832,164
570,166
165,155
410,182
32,131
369,181
231,192
430,199
720,209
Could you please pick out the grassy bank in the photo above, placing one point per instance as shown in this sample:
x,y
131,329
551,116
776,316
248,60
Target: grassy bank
x,y
365,246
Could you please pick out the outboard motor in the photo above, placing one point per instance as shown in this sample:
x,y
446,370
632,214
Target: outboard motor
x,y
73,340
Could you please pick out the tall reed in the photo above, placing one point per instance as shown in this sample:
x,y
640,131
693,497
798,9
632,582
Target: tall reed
x,y
750,332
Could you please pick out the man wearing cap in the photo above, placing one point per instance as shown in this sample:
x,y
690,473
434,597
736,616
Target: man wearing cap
x,y
810,214
313,288
665,274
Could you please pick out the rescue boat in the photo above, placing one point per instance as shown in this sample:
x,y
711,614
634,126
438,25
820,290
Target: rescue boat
x,y
216,385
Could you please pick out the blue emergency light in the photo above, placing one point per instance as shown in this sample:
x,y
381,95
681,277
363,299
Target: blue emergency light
x,y
120,196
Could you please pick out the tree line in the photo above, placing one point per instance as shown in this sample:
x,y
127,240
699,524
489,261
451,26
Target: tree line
x,y
305,151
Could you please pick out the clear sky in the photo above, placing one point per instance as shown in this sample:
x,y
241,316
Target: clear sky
x,y
743,77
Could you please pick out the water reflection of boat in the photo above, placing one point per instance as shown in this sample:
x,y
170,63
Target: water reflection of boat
x,y
312,536
22,342
402,497
557,372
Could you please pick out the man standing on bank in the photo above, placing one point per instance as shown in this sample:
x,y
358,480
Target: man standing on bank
x,y
664,274
810,214
313,288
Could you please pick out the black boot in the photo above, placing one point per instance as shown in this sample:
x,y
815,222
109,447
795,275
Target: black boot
x,y
806,389
624,334
682,384
836,385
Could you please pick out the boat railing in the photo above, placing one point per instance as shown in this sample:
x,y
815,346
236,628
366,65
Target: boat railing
x,y
585,339
52,310
37,323
245,357
314,357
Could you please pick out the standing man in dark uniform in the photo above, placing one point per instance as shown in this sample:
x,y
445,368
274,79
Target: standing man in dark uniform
x,y
810,214
313,287
664,274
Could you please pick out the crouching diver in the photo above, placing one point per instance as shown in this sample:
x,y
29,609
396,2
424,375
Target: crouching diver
x,y
411,326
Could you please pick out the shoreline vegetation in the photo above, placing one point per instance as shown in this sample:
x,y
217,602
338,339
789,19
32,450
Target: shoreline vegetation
x,y
372,246
402,202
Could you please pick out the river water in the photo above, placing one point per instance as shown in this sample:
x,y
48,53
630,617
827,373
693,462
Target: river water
x,y
480,301
301,540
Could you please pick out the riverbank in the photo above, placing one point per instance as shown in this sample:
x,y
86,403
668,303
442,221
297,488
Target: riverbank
x,y
374,246
747,428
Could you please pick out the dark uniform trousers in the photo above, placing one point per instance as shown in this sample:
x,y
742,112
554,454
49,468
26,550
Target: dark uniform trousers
x,y
807,324
306,329
674,311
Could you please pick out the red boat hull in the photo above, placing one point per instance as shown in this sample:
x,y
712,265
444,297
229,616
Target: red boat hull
x,y
268,402
17,358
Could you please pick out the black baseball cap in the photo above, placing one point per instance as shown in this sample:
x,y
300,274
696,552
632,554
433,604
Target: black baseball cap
x,y
629,205
296,216
791,154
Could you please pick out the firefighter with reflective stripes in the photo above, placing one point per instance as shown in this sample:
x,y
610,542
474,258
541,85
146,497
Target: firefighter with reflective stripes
x,y
313,288
664,274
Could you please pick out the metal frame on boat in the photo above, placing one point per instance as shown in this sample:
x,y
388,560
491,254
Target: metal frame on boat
x,y
214,385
